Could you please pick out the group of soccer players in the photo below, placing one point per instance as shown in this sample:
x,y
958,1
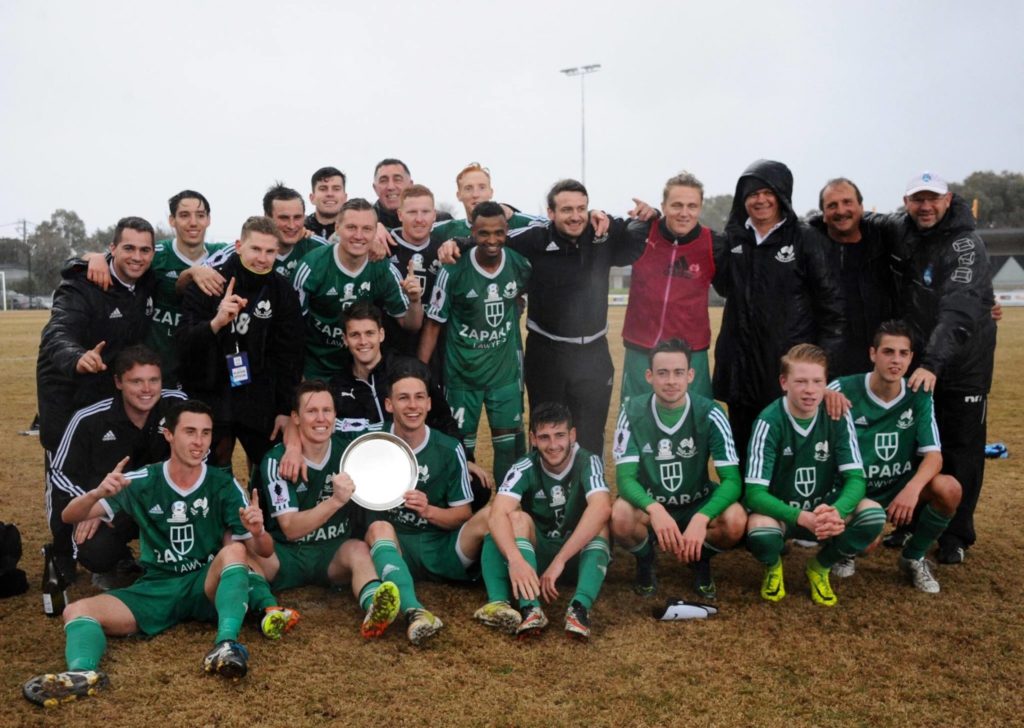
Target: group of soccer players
x,y
300,344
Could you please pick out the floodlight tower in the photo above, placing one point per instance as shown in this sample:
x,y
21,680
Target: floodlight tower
x,y
582,72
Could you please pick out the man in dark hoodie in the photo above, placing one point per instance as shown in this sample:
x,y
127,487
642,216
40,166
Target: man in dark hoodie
x,y
774,273
242,351
945,296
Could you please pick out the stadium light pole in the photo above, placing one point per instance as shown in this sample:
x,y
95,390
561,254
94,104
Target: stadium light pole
x,y
582,72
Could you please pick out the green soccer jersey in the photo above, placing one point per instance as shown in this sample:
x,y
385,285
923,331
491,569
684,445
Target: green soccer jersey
x,y
891,435
443,476
673,461
168,264
288,263
448,229
283,496
326,289
482,317
180,530
555,501
798,464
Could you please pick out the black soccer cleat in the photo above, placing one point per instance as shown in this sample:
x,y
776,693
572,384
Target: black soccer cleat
x,y
577,621
646,582
703,581
228,659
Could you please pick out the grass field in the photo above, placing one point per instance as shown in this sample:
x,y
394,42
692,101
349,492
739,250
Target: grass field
x,y
886,655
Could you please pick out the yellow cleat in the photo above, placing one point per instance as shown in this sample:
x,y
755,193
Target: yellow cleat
x,y
382,612
773,587
821,589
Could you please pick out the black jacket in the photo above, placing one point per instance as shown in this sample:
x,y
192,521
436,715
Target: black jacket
x,y
99,436
83,315
360,402
270,330
866,279
323,229
568,291
945,295
778,294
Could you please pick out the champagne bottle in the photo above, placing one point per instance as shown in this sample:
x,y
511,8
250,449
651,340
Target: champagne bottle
x,y
55,595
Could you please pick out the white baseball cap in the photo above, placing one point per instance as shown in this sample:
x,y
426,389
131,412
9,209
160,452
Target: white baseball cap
x,y
926,182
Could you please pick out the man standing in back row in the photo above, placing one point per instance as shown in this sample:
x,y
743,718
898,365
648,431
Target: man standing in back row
x,y
774,274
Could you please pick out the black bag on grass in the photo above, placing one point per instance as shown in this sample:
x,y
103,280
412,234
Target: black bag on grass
x,y
12,579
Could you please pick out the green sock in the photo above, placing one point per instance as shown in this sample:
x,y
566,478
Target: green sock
x,y
528,552
859,533
765,543
930,525
367,592
504,455
231,601
593,567
260,596
391,566
494,570
643,549
85,643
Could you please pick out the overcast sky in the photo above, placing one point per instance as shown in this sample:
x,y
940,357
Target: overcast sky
x,y
108,108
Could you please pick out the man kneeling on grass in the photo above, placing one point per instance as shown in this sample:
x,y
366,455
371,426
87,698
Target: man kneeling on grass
x,y
549,517
191,570
899,439
805,480
313,519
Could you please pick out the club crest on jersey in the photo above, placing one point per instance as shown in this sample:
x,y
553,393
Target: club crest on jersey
x,y
263,310
424,473
805,481
906,419
821,451
664,449
201,505
686,448
886,444
557,496
349,292
494,307
671,475
364,287
511,290
182,538
785,254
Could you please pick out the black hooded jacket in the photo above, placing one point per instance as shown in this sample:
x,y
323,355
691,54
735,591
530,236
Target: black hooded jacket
x,y
945,295
778,294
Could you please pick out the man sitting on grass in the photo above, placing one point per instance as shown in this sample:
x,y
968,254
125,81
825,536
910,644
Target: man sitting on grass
x,y
797,453
549,519
313,519
192,571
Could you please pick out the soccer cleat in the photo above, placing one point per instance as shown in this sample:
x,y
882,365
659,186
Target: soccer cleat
x,y
773,586
382,612
703,581
951,553
898,538
51,690
500,615
805,543
278,620
227,659
821,589
422,625
577,621
646,583
919,572
533,622
845,567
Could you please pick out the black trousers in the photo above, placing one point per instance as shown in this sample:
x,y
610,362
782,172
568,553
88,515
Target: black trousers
x,y
962,420
577,375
